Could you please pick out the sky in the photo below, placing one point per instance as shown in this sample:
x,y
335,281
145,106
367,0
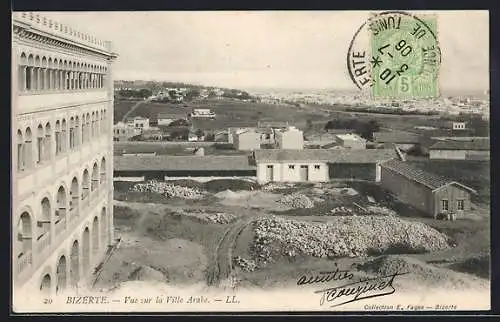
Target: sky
x,y
268,49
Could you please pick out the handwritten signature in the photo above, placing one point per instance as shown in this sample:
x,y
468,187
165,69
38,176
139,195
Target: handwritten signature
x,y
358,290
325,277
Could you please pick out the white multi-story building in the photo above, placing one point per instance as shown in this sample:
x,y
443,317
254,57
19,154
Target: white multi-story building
x,y
62,155
290,139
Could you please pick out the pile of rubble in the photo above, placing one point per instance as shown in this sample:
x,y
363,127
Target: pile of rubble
x,y
342,211
168,189
276,186
342,236
247,265
381,211
220,218
296,200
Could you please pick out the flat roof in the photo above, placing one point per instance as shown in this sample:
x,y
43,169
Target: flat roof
x,y
323,155
182,163
396,137
350,136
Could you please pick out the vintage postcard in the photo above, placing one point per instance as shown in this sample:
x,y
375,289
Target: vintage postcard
x,y
220,161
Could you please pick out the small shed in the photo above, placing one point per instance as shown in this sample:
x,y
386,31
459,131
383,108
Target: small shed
x,y
429,193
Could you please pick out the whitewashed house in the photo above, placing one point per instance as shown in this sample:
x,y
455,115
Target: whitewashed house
x,y
319,165
289,139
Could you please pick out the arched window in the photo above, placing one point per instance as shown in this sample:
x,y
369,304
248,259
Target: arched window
x,y
45,284
23,61
86,249
25,238
64,136
36,74
50,77
95,235
58,136
39,144
74,199
28,148
67,80
48,142
55,74
60,213
84,130
95,178
103,171
77,136
43,75
85,187
72,125
72,80
43,225
105,121
74,268
20,151
61,274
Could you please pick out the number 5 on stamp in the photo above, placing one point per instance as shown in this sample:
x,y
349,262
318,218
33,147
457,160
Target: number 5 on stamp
x,y
404,85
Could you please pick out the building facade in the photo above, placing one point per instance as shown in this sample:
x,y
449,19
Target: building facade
x,y
139,122
62,155
123,132
466,149
290,139
247,140
456,126
426,192
319,165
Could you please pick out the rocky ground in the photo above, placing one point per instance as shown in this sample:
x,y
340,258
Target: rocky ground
x,y
343,236
268,234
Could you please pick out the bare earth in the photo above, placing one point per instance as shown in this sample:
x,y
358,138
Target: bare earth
x,y
172,243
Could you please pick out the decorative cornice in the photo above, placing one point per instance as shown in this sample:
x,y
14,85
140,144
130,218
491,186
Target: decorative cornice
x,y
30,35
35,28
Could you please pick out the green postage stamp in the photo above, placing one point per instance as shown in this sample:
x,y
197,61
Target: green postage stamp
x,y
402,59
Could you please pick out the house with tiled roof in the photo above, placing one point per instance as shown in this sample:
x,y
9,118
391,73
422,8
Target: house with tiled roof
x,y
161,166
474,148
432,194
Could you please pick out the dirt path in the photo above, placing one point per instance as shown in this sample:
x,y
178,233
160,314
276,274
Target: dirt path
x,y
219,268
133,108
220,264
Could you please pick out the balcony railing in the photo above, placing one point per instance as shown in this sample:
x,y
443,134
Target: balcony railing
x,y
43,242
25,261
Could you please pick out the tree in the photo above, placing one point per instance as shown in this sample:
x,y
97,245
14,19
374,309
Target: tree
x,y
179,122
180,134
366,129
199,133
192,94
172,93
417,150
145,93
210,137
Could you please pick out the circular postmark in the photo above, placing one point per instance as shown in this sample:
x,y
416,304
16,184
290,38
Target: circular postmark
x,y
396,54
